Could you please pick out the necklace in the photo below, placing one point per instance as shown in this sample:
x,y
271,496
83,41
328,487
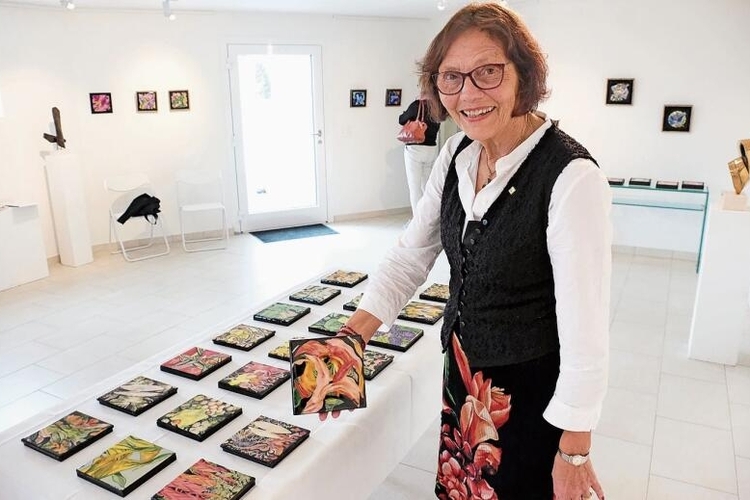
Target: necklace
x,y
491,172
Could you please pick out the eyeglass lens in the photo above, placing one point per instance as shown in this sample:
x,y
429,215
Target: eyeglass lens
x,y
486,77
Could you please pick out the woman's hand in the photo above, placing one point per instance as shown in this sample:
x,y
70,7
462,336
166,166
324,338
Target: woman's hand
x,y
573,482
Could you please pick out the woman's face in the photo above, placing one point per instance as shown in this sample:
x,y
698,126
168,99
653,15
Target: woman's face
x,y
481,114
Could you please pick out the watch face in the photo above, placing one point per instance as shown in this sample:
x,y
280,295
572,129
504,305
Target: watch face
x,y
578,460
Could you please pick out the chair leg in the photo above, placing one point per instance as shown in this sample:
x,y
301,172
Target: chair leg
x,y
224,236
127,252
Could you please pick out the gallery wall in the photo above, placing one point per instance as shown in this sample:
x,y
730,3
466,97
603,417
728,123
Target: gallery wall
x,y
52,57
678,51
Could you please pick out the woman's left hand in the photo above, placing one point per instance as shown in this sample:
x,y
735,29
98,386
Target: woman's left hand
x,y
572,482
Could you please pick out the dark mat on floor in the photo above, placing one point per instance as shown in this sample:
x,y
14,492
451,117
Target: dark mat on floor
x,y
293,233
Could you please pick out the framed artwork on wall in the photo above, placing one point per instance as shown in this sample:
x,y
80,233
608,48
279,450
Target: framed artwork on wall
x,y
676,118
101,102
620,91
179,99
393,97
357,98
146,100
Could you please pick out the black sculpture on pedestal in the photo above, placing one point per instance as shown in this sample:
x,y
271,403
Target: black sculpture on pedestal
x,y
58,137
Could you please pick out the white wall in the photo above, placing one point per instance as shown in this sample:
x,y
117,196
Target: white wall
x,y
52,57
678,51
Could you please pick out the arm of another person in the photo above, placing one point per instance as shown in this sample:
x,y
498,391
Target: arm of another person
x,y
579,239
409,114
406,265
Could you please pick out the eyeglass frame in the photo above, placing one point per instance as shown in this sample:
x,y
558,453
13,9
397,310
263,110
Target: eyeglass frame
x,y
435,76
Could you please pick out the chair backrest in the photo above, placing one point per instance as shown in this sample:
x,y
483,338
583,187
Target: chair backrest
x,y
122,189
199,186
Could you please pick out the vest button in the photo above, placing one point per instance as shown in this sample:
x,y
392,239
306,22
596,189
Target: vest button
x,y
478,231
484,222
472,241
463,324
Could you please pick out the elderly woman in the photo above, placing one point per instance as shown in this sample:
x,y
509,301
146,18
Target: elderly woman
x,y
522,212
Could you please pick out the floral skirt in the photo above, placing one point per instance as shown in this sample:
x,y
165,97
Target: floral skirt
x,y
494,442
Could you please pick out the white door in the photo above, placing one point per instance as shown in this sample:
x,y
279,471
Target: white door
x,y
277,114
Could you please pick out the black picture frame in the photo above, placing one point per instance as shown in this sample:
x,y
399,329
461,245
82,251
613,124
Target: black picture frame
x,y
357,98
179,100
393,97
620,91
100,102
145,103
676,118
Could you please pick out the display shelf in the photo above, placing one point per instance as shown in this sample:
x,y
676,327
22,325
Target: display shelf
x,y
691,200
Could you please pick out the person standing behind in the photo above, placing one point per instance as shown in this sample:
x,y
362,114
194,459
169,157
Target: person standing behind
x,y
419,158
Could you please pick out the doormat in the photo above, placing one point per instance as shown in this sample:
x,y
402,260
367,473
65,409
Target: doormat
x,y
293,233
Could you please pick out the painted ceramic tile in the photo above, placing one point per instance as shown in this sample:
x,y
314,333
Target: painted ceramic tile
x,y
138,395
353,304
398,338
266,440
68,435
255,379
206,480
126,465
281,314
375,362
196,363
315,294
421,312
327,374
329,324
281,351
344,278
199,417
436,292
244,337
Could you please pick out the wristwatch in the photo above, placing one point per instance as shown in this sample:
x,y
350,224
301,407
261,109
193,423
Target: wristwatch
x,y
576,460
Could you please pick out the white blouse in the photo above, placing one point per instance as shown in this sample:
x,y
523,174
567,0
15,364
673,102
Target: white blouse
x,y
579,210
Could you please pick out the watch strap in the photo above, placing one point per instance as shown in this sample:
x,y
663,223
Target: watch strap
x,y
575,460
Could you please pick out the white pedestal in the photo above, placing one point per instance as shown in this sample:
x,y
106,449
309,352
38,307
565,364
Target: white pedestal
x,y
22,255
721,310
68,208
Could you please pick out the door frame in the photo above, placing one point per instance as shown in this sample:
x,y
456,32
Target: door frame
x,y
289,218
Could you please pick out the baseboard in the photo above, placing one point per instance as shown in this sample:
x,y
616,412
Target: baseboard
x,y
370,215
654,252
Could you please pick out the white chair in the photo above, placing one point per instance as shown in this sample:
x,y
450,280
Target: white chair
x,y
122,190
201,191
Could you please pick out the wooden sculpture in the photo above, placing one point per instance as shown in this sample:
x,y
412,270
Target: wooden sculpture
x,y
58,137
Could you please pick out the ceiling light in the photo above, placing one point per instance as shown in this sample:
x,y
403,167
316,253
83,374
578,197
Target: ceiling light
x,y
442,4
167,8
68,4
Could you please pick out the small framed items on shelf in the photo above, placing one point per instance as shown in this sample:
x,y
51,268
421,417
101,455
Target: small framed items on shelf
x,y
667,185
639,181
615,181
695,185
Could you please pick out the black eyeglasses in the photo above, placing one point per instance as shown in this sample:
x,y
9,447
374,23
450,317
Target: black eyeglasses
x,y
485,77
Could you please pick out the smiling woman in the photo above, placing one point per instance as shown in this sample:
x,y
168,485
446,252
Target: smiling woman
x,y
522,213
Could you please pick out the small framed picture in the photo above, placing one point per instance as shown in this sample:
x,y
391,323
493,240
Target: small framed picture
x,y
393,97
101,102
620,91
676,118
357,98
146,100
179,99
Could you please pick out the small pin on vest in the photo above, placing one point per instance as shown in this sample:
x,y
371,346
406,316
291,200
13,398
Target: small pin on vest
x,y
512,190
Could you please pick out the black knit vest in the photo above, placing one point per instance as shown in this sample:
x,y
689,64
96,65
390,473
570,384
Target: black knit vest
x,y
502,293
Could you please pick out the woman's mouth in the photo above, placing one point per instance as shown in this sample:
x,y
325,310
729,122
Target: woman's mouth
x,y
477,112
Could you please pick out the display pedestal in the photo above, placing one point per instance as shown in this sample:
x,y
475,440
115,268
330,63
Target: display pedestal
x,y
22,255
68,208
720,314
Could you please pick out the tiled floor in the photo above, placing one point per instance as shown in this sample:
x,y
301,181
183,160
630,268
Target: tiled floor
x,y
672,428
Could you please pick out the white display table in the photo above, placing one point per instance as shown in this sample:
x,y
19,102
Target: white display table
x,y
720,314
345,458
68,204
22,255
